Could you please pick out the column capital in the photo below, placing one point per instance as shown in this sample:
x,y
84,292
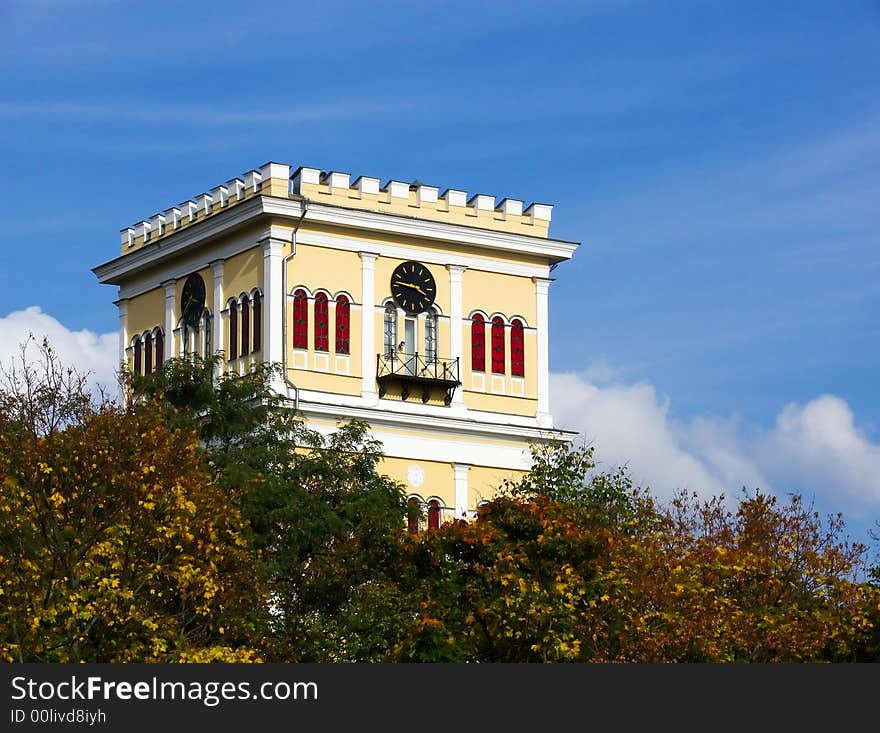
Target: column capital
x,y
217,265
122,304
368,258
169,286
543,283
272,246
456,269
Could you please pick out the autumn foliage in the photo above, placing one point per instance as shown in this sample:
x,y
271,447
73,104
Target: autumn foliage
x,y
201,521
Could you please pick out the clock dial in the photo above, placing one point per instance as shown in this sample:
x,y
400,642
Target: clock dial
x,y
192,299
413,287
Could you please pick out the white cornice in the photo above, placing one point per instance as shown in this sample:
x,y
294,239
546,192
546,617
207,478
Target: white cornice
x,y
126,266
553,249
482,424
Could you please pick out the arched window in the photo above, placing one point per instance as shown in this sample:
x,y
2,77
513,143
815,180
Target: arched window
x,y
322,319
412,520
431,336
245,324
300,320
137,355
160,349
478,343
148,354
342,325
258,321
233,330
206,325
433,514
390,330
497,345
517,349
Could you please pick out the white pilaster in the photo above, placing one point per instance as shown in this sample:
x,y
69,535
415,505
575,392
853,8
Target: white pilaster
x,y
273,301
455,325
122,305
217,309
460,471
170,290
542,289
368,345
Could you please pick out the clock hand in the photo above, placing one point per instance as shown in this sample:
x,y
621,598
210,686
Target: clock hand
x,y
414,287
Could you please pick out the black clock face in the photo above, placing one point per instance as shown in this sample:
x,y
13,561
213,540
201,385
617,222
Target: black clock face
x,y
413,287
192,299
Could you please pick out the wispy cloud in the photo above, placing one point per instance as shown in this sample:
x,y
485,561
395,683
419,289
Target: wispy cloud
x,y
220,115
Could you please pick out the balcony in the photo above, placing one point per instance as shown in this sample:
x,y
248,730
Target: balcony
x,y
413,373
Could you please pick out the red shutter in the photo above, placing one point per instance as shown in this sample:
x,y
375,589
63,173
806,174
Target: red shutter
x,y
300,320
478,343
342,319
233,330
245,325
160,349
322,318
258,321
412,522
148,354
137,356
497,345
517,349
433,514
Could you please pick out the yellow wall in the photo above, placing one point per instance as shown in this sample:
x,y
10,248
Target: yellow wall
x,y
241,274
492,292
484,481
145,312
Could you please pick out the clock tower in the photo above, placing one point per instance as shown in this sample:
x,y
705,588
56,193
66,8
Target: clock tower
x,y
422,312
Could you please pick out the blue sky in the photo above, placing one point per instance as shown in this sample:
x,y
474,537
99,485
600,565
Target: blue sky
x,y
720,163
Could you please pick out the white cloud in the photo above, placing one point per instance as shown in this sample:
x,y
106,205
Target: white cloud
x,y
819,444
815,449
89,353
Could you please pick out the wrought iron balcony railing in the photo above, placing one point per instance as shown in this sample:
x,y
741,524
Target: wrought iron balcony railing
x,y
416,371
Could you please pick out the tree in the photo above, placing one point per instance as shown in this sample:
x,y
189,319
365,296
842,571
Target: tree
x,y
115,544
323,521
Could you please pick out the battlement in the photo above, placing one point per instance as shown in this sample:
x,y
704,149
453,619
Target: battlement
x,y
335,188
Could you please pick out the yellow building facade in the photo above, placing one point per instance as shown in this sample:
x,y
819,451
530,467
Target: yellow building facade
x,y
423,313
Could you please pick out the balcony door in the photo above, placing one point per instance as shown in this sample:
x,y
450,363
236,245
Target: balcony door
x,y
409,345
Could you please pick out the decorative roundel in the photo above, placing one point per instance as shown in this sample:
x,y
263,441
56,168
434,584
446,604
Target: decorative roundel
x,y
415,476
413,287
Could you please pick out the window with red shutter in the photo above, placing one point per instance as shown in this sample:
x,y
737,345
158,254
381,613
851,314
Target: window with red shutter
x,y
415,509
233,330
148,354
433,514
342,320
322,340
478,343
300,320
245,325
160,349
517,349
497,345
137,355
258,321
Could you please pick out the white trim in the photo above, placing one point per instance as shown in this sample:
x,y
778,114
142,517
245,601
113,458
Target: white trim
x,y
170,291
460,481
122,305
274,300
368,299
542,291
414,252
410,415
219,345
553,250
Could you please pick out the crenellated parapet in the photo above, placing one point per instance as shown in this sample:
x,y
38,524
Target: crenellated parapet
x,y
422,201
335,188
